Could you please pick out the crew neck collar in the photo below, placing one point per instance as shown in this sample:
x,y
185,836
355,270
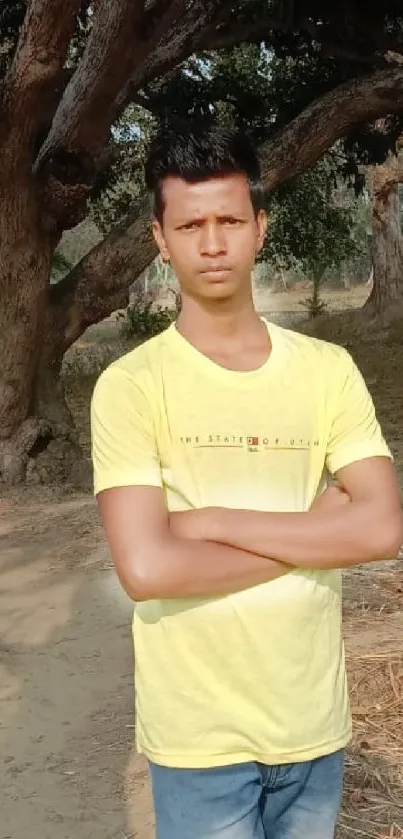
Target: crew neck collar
x,y
206,364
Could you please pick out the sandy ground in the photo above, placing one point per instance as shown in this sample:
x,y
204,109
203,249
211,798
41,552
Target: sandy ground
x,y
66,686
66,680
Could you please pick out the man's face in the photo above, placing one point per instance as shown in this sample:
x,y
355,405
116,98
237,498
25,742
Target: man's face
x,y
211,235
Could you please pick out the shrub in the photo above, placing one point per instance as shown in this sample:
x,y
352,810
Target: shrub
x,y
143,320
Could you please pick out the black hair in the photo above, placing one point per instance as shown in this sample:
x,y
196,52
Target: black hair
x,y
196,152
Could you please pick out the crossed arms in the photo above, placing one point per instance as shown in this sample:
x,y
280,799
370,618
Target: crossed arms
x,y
215,551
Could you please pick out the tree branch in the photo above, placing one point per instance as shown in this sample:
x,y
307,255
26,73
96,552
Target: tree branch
x,y
234,29
343,53
122,38
308,136
69,159
176,43
38,62
82,122
229,34
99,284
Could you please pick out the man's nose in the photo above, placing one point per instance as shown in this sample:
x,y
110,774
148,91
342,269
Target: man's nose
x,y
212,240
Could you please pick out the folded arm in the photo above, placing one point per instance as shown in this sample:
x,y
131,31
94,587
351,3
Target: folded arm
x,y
366,529
152,562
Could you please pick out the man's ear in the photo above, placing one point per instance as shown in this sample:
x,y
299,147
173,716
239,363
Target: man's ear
x,y
160,240
262,222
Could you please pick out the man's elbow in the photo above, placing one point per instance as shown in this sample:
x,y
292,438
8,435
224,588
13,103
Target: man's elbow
x,y
145,576
388,538
141,587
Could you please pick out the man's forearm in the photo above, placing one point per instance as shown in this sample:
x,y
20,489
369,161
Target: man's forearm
x,y
350,535
184,568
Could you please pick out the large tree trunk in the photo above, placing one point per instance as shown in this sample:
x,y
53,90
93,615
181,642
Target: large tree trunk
x,y
25,257
39,322
387,241
37,434
59,459
98,285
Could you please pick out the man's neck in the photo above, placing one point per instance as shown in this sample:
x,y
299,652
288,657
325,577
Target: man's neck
x,y
221,323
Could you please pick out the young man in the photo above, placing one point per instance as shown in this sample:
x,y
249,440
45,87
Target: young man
x,y
212,444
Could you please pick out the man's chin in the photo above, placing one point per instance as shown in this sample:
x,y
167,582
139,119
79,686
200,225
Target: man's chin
x,y
219,291
218,285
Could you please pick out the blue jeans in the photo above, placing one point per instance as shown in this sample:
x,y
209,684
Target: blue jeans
x,y
249,800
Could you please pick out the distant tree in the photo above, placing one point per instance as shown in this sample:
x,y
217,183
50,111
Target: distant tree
x,y
311,226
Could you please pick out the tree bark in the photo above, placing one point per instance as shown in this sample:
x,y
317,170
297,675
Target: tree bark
x,y
123,45
100,283
25,258
37,434
97,286
307,137
38,64
387,240
82,121
56,456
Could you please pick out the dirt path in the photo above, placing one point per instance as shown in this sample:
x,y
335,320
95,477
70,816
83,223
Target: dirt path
x,y
66,694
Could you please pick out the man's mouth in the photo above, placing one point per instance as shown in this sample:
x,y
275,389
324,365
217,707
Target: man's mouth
x,y
217,269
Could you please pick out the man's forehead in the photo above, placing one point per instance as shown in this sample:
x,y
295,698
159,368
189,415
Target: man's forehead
x,y
220,192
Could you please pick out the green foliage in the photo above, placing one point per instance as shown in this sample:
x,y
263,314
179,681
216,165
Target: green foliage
x,y
318,226
232,87
311,221
142,319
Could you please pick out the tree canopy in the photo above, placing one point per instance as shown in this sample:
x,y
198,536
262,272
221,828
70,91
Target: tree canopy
x,y
71,69
74,66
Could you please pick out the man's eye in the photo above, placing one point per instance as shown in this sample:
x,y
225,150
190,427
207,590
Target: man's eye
x,y
191,225
231,221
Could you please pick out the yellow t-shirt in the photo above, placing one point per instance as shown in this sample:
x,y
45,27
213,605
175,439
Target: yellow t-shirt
x,y
259,674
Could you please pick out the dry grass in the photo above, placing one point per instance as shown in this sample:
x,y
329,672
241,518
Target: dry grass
x,y
373,799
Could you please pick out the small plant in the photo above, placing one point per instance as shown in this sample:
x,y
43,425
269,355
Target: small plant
x,y
314,304
143,320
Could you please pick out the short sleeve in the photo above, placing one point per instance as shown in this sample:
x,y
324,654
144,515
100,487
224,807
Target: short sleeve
x,y
123,441
355,433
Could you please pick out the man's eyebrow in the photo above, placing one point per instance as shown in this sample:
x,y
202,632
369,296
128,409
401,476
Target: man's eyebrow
x,y
178,222
198,218
233,214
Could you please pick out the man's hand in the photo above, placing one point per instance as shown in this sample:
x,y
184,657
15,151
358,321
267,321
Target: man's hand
x,y
357,521
199,524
